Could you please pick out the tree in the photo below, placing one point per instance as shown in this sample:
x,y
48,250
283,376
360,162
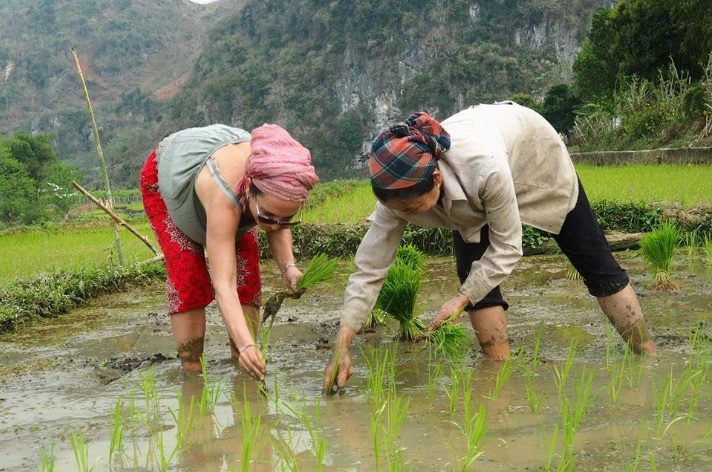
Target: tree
x,y
36,154
641,38
558,108
18,195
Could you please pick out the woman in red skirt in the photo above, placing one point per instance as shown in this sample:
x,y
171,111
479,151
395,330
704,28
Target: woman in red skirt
x,y
209,189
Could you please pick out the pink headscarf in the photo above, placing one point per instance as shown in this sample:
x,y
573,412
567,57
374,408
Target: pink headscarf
x,y
280,166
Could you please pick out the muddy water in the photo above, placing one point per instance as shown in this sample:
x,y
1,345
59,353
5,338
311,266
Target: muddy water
x,y
69,375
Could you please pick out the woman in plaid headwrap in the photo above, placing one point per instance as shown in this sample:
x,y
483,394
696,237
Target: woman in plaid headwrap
x,y
210,188
482,173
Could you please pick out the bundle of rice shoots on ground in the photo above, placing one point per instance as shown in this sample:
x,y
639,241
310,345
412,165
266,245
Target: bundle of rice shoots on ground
x,y
450,339
397,298
412,257
320,270
658,249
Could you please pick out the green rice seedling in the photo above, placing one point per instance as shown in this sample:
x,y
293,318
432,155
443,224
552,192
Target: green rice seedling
x,y
376,434
707,247
315,427
150,396
48,459
435,373
396,411
450,339
690,240
571,272
381,373
616,370
81,452
475,428
534,363
532,397
642,445
251,428
116,443
457,370
530,371
209,394
561,375
551,449
466,384
503,374
658,249
320,270
398,297
653,464
184,420
666,405
572,414
162,458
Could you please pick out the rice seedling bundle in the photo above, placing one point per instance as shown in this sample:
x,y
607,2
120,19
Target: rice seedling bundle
x,y
398,297
450,339
658,249
320,270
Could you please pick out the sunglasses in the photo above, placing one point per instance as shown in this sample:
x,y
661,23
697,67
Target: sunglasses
x,y
268,220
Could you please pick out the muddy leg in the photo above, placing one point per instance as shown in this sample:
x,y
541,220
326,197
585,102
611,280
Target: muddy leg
x,y
252,316
490,326
189,336
623,311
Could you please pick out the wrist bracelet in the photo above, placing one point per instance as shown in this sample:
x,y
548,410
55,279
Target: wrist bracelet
x,y
245,348
291,264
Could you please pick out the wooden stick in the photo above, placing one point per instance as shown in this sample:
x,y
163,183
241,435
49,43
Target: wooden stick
x,y
115,217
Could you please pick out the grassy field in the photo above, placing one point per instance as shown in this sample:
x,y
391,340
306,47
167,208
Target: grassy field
x,y
90,241
687,185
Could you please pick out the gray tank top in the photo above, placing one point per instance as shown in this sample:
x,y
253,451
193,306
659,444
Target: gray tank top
x,y
180,158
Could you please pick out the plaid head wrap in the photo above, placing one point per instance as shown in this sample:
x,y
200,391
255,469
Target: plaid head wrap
x,y
279,165
407,153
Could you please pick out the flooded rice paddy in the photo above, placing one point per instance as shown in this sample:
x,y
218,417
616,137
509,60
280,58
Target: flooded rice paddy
x,y
101,389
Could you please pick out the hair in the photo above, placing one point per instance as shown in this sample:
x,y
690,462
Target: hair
x,y
421,188
255,190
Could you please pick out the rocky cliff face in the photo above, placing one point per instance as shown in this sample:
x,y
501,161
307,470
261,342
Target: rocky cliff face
x,y
550,39
322,68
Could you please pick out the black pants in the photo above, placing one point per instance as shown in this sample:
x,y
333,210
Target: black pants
x,y
581,239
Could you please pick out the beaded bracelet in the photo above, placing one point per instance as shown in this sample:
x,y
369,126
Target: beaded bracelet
x,y
291,264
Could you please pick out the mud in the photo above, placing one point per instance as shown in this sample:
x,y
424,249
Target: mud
x,y
68,375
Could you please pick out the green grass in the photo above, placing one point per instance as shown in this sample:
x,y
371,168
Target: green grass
x,y
351,207
686,185
25,254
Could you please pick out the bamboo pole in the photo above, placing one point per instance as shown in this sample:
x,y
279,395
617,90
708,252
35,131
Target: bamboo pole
x,y
109,198
117,219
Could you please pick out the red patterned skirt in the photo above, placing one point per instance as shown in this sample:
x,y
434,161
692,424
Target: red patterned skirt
x,y
189,284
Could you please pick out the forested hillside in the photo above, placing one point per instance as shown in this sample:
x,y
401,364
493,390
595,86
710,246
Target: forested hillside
x,y
333,72
135,55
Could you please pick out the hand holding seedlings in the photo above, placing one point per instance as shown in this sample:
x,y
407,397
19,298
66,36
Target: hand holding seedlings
x,y
321,269
252,361
290,276
338,370
450,310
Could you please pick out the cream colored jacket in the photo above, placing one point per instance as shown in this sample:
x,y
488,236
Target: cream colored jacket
x,y
506,167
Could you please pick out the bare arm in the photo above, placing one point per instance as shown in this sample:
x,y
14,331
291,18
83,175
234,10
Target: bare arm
x,y
280,245
222,223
